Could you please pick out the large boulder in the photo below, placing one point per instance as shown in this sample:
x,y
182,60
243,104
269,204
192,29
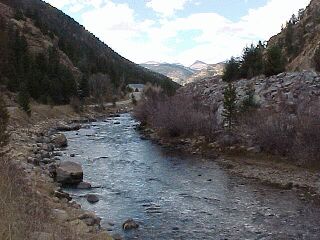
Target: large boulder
x,y
59,140
69,173
91,198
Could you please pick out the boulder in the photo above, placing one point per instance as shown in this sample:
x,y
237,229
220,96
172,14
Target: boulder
x,y
91,198
130,224
84,185
67,127
90,219
59,140
69,173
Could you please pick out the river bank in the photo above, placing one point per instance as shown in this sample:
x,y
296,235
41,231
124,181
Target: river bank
x,y
27,172
268,169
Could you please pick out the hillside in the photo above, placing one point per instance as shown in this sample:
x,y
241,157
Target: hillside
x,y
176,72
184,75
300,38
49,56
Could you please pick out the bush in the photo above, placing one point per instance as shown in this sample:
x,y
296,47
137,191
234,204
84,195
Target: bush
x,y
293,136
177,115
24,101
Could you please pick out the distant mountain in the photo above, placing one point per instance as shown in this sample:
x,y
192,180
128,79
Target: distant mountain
x,y
184,75
175,71
51,57
199,65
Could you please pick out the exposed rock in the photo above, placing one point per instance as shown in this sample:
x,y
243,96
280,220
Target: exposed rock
x,y
62,195
130,224
59,140
92,198
67,127
84,185
69,173
90,219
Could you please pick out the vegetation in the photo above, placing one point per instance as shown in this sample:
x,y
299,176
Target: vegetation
x,y
229,106
253,63
274,63
46,74
176,116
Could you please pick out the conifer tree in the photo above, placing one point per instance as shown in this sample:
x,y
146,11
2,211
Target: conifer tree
x,y
230,106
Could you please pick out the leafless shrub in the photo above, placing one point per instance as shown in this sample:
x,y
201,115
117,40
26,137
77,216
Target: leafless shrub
x,y
296,136
176,116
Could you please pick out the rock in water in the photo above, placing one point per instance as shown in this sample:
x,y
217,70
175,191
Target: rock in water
x,y
91,198
130,224
59,140
69,173
84,185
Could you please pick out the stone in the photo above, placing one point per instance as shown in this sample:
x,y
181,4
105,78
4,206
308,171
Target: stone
x,y
116,237
61,215
62,195
69,173
59,140
91,198
65,127
90,219
84,185
130,224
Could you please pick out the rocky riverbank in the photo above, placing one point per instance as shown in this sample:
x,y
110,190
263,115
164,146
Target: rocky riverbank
x,y
35,149
248,163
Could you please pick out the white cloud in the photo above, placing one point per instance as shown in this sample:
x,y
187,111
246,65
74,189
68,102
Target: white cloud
x,y
166,7
145,40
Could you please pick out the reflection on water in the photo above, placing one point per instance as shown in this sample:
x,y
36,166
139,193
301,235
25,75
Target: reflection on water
x,y
179,197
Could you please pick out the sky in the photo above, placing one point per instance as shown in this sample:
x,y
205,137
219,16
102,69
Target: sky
x,y
180,31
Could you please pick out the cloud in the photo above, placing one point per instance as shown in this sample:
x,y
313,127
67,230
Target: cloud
x,y
166,7
217,38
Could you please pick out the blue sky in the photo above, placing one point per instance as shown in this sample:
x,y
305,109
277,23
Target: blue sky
x,y
180,30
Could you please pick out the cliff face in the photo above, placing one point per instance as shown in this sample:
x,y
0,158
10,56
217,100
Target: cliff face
x,y
300,38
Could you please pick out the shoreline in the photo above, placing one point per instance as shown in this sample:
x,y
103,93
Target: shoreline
x,y
29,140
266,169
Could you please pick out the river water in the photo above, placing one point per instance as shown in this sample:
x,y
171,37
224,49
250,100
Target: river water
x,y
173,196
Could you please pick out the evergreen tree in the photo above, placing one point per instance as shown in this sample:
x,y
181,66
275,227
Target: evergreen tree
x,y
316,59
230,107
232,70
252,61
274,63
4,119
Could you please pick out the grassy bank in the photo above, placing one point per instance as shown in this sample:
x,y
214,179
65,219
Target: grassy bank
x,y
28,206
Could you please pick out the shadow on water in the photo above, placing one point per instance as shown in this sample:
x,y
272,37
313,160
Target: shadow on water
x,y
174,196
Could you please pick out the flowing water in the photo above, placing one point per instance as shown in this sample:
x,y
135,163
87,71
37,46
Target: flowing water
x,y
173,196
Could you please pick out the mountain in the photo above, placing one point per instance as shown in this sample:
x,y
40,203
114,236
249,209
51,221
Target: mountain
x,y
184,75
175,71
300,38
198,66
49,56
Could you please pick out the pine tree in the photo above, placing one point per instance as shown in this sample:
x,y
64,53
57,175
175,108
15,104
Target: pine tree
x,y
274,63
4,119
232,70
230,107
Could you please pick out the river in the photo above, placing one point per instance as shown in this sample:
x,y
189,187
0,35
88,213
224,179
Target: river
x,y
176,196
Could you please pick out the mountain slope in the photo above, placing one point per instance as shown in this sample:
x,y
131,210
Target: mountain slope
x,y
176,72
46,35
184,75
300,39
